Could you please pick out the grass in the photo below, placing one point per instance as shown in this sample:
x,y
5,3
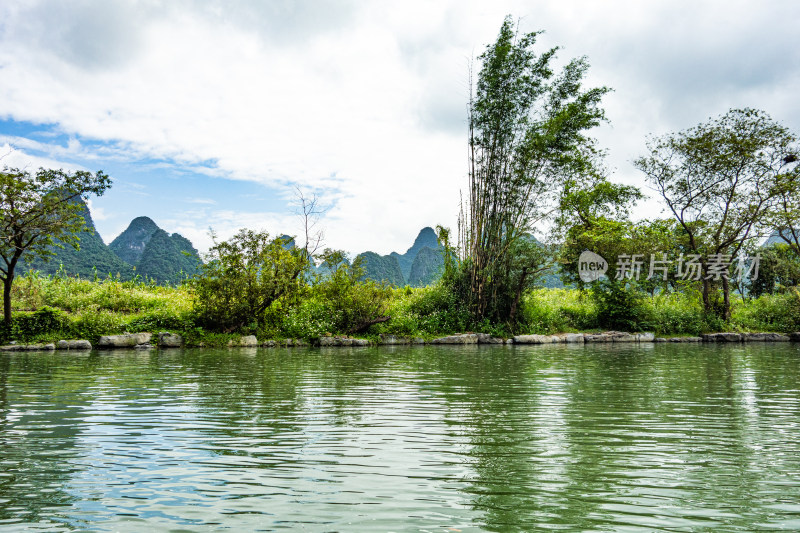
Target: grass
x,y
48,308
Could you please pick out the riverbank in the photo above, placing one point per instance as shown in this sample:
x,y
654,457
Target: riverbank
x,y
48,309
167,340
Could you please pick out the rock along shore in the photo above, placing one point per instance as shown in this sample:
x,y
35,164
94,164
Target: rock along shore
x,y
145,341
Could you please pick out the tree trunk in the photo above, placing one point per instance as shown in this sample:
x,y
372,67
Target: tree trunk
x,y
726,295
7,299
707,295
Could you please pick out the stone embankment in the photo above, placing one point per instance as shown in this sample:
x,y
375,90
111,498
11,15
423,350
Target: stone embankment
x,y
749,337
146,341
572,338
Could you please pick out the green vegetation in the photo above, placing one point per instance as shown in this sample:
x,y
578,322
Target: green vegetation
x,y
341,301
727,183
48,308
244,277
36,210
723,181
527,131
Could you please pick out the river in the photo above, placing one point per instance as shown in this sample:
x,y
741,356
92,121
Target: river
x,y
664,437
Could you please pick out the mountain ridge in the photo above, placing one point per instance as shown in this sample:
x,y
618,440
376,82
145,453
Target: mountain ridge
x,y
425,252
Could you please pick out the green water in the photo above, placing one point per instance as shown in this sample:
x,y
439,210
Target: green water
x,y
606,438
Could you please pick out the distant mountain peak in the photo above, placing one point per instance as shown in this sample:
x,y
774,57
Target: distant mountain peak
x,y
130,244
426,237
420,265
143,223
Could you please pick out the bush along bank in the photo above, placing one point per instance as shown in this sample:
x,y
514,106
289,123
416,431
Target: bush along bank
x,y
52,309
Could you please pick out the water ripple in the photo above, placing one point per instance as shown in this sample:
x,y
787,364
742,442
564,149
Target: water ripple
x,y
668,438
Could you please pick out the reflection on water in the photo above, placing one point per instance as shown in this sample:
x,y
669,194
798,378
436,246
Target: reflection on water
x,y
601,438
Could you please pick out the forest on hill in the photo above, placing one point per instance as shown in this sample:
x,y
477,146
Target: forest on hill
x,y
143,250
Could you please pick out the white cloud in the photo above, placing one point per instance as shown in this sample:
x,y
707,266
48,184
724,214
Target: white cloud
x,y
12,156
204,201
98,213
363,102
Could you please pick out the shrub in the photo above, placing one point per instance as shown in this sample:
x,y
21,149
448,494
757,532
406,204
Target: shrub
x,y
245,275
620,306
27,326
91,324
558,310
769,312
352,303
308,320
161,320
680,313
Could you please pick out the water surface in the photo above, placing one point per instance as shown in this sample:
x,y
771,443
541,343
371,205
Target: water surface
x,y
590,438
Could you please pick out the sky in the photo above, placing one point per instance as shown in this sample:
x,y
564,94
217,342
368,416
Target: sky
x,y
213,115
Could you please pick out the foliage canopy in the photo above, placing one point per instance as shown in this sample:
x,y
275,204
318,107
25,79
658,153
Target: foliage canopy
x,y
36,211
527,130
243,277
722,180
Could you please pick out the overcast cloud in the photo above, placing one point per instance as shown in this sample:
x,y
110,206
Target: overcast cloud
x,y
227,106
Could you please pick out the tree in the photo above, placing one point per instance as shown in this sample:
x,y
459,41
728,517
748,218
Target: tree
x,y
721,180
244,276
38,209
778,270
527,128
786,217
593,214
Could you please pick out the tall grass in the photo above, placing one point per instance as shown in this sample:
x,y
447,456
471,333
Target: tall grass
x,y
89,309
51,307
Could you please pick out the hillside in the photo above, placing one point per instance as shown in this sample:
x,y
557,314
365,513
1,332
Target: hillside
x,y
382,268
129,245
168,258
156,254
142,249
93,254
426,267
399,269
425,238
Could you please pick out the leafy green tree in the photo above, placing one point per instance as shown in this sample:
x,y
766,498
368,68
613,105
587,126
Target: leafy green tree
x,y
36,211
593,214
785,218
660,242
527,129
243,277
722,180
779,269
530,261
